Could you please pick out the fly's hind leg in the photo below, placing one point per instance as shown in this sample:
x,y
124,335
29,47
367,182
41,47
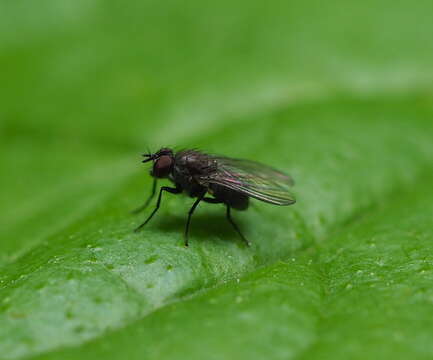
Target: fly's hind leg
x,y
229,218
212,200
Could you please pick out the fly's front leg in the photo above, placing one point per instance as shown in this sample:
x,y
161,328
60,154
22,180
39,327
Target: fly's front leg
x,y
149,199
176,190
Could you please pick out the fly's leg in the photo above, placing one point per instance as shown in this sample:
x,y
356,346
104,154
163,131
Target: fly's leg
x,y
229,218
191,211
149,199
212,200
176,190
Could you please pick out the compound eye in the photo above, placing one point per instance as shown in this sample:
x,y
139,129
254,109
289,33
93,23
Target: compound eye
x,y
162,166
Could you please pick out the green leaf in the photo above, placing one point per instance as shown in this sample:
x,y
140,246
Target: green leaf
x,y
338,95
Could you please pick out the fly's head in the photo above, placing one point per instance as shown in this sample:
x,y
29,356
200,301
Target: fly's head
x,y
163,161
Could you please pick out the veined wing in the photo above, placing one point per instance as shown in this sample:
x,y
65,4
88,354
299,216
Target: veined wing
x,y
254,179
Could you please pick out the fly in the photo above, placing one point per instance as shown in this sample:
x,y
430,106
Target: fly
x,y
216,180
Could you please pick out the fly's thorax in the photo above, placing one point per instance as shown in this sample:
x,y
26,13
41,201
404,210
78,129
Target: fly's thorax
x,y
179,173
185,174
181,177
195,163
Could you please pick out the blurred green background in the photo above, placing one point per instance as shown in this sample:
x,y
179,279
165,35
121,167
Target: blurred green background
x,y
337,93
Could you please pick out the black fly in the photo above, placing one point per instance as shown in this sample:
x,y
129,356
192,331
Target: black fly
x,y
228,181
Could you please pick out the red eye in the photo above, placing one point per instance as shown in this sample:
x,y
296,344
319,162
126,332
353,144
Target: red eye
x,y
162,166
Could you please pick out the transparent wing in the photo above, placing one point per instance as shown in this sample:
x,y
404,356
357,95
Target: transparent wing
x,y
251,178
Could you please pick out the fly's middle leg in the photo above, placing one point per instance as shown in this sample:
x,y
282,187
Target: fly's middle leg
x,y
191,211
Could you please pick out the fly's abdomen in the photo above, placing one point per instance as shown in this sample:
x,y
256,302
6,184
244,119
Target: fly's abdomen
x,y
235,199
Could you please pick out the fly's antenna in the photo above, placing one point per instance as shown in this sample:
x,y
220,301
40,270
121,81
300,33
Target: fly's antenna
x,y
149,156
